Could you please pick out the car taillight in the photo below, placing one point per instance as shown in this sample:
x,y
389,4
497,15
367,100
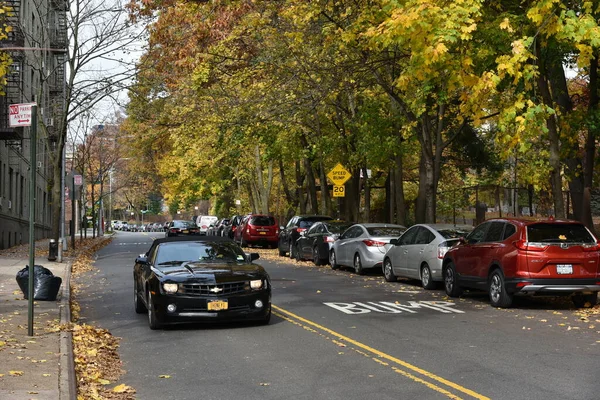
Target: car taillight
x,y
204,226
443,249
174,229
525,245
329,239
374,243
591,247
300,230
248,230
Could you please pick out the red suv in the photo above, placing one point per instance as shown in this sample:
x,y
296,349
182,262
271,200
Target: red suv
x,y
257,229
508,257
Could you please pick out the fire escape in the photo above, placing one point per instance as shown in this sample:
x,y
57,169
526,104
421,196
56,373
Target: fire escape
x,y
14,85
56,79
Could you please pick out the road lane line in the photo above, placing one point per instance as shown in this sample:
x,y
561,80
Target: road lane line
x,y
296,319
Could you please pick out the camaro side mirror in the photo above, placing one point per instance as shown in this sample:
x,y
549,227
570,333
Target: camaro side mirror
x,y
394,242
142,259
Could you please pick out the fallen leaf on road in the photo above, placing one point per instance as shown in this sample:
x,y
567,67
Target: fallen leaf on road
x,y
123,388
164,376
16,373
265,384
46,375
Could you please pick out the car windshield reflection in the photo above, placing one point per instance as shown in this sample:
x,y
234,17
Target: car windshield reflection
x,y
223,252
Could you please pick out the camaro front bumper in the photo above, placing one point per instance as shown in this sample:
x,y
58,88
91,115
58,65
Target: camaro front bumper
x,y
184,308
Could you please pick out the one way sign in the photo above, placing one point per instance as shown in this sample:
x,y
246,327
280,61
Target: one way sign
x,y
19,115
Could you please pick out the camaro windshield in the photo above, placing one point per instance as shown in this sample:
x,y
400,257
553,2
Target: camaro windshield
x,y
170,252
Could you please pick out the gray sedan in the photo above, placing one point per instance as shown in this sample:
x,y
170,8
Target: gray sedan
x,y
363,246
419,252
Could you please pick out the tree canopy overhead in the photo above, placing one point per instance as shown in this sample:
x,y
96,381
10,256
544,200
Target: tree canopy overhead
x,y
257,100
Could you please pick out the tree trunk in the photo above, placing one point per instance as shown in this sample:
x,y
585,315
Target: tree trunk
x,y
300,189
367,188
399,191
553,137
325,196
590,145
311,186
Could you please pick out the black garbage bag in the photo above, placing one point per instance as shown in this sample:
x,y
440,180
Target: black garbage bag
x,y
45,284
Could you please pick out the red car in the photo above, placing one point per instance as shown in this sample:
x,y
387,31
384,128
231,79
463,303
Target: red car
x,y
508,257
257,229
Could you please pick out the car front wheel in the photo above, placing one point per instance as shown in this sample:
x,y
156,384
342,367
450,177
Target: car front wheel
x,y
450,281
281,252
388,272
137,304
292,252
152,319
332,260
499,297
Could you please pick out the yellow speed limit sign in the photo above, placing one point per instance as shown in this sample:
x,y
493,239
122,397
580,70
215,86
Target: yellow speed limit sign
x,y
339,190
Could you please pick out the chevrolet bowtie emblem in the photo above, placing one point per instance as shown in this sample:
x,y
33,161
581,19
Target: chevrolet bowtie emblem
x,y
216,290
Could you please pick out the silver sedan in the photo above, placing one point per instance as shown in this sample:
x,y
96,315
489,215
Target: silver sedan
x,y
419,252
362,246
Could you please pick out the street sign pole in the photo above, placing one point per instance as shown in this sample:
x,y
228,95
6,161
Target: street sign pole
x,y
32,171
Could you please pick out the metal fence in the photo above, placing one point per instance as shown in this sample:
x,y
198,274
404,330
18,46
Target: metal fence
x,y
472,205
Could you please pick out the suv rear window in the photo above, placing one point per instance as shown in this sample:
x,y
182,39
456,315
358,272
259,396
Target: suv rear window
x,y
558,233
262,221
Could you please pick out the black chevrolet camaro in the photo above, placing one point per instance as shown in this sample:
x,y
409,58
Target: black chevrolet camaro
x,y
202,278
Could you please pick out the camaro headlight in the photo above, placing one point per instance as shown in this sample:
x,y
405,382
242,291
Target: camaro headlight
x,y
170,287
256,284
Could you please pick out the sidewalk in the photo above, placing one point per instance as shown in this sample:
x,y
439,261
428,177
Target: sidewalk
x,y
40,366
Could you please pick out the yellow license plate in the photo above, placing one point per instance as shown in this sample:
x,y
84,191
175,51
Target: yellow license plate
x,y
217,305
263,233
185,231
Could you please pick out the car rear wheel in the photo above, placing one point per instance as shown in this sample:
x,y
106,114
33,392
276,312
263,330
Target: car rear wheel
x,y
388,272
137,304
292,252
152,319
316,256
426,280
358,268
332,260
499,297
450,281
585,300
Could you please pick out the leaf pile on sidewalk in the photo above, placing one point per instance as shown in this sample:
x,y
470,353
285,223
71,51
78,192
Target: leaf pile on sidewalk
x,y
97,362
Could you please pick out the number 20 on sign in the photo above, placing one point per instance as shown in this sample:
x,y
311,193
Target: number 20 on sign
x,y
339,191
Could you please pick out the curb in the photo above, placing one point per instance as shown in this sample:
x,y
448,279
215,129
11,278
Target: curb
x,y
66,381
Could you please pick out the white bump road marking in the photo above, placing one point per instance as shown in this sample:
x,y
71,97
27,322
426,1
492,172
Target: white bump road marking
x,y
386,307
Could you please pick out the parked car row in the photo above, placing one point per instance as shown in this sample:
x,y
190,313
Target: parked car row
x,y
505,257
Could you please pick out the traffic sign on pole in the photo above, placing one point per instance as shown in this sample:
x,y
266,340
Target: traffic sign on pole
x,y
339,191
19,114
339,175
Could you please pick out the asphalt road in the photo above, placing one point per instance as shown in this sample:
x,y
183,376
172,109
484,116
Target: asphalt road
x,y
335,335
